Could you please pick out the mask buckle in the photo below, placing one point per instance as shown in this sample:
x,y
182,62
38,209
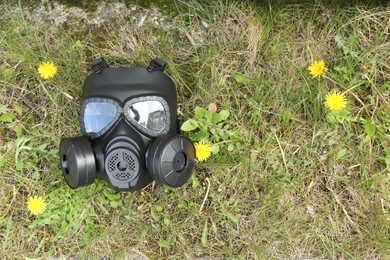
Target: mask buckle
x,y
98,65
157,65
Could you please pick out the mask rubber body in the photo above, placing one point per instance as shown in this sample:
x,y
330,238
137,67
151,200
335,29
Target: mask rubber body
x,y
119,154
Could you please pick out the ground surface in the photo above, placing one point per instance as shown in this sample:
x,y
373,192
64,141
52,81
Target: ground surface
x,y
291,179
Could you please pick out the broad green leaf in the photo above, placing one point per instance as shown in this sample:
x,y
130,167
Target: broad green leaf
x,y
370,128
287,115
116,204
109,195
189,125
216,118
18,109
200,135
242,79
224,114
338,116
195,181
199,112
7,117
209,116
214,148
164,243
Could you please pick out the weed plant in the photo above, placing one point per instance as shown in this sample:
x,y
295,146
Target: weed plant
x,y
290,178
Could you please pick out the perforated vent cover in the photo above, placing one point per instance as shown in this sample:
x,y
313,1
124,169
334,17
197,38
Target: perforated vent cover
x,y
122,164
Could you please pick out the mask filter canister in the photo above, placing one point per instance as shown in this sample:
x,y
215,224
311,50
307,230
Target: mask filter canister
x,y
171,160
77,161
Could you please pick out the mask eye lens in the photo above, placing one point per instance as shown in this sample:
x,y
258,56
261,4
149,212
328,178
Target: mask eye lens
x,y
148,114
97,116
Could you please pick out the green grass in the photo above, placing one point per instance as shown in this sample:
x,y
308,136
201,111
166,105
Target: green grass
x,y
300,183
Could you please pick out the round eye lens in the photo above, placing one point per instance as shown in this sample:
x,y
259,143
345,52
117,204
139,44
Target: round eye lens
x,y
149,114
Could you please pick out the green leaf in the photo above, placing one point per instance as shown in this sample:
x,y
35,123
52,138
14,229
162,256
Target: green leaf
x,y
154,215
199,112
7,117
78,44
341,154
200,135
164,243
216,118
232,217
8,73
195,181
42,147
166,220
370,128
116,204
342,44
224,114
242,79
338,116
36,176
18,130
343,69
189,125
19,165
110,195
3,109
204,234
18,109
214,228
287,115
209,115
214,148
230,147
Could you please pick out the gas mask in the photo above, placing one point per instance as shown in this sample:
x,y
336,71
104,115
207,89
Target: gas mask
x,y
130,131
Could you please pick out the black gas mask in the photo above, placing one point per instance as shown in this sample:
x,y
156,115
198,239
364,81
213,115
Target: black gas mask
x,y
130,131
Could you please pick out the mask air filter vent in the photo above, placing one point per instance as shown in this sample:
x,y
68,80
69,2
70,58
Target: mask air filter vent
x,y
122,164
130,160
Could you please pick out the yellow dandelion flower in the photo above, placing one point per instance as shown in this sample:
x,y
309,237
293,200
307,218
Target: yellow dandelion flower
x,y
335,100
317,68
202,150
47,70
364,67
36,205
